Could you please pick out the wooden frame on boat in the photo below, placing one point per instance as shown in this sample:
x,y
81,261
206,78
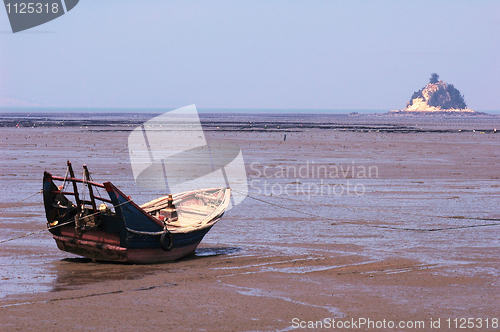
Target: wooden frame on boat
x,y
164,229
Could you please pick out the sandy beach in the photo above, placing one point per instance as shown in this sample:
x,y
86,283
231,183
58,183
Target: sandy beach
x,y
350,219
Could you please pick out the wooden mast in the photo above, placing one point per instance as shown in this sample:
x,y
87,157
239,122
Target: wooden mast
x,y
91,191
75,189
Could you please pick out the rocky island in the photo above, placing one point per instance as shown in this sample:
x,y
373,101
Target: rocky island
x,y
436,98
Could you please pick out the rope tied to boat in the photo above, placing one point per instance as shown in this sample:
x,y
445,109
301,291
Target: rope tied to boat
x,y
60,195
89,215
166,237
8,207
165,230
250,195
165,233
26,234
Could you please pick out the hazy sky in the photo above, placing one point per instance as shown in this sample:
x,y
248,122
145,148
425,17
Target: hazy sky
x,y
254,54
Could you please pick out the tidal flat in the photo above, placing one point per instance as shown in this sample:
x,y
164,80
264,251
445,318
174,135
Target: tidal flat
x,y
415,237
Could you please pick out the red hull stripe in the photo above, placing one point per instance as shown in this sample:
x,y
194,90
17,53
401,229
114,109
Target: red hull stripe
x,y
94,236
107,252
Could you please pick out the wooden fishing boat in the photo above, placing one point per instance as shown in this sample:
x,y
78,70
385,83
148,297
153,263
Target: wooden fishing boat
x,y
117,229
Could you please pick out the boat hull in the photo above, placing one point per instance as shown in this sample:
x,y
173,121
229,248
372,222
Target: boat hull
x,y
126,232
100,246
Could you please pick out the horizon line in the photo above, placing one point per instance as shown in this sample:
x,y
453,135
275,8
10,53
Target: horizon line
x,y
39,108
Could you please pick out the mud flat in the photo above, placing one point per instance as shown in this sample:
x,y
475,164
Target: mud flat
x,y
349,218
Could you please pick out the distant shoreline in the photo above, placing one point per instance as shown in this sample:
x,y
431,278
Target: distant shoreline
x,y
241,122
161,110
237,111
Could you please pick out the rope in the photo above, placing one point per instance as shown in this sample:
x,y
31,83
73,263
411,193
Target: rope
x,y
58,225
27,234
165,230
8,207
376,210
373,226
96,188
24,235
290,209
146,233
63,185
83,190
89,215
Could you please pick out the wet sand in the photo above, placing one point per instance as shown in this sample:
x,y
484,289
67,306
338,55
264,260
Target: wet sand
x,y
420,242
